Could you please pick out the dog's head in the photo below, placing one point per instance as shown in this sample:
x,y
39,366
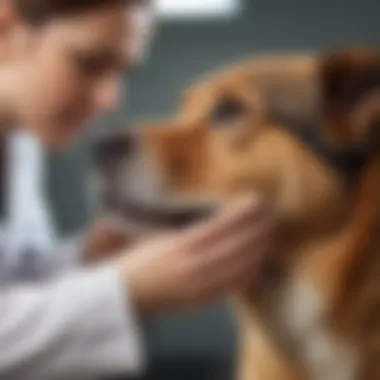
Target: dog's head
x,y
240,131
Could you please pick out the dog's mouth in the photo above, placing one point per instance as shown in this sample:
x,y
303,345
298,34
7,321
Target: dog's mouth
x,y
163,215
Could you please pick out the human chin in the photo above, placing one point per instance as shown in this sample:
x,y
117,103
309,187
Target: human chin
x,y
72,126
60,137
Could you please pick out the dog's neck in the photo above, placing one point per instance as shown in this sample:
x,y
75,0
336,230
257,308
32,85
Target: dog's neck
x,y
340,264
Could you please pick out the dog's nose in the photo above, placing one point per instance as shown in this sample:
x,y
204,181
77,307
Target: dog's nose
x,y
109,151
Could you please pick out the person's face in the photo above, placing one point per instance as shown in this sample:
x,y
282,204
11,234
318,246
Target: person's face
x,y
70,70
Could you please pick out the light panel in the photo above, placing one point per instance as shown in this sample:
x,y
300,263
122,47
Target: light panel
x,y
197,9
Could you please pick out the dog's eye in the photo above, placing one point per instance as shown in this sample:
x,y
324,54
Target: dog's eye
x,y
228,110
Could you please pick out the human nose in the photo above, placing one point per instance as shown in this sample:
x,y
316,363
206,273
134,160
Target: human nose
x,y
107,94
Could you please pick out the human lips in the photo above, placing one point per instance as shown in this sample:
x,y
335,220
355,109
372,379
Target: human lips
x,y
75,121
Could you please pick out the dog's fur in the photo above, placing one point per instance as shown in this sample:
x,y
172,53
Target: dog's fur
x,y
316,314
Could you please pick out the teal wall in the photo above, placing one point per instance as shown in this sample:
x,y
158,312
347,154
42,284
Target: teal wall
x,y
183,52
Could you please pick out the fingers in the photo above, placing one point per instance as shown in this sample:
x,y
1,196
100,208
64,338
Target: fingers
x,y
232,269
231,279
224,283
231,250
229,220
236,248
246,265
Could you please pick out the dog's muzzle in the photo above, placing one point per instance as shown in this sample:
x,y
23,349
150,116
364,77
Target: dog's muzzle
x,y
110,150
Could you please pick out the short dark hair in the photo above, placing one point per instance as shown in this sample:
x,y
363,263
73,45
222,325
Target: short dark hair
x,y
37,12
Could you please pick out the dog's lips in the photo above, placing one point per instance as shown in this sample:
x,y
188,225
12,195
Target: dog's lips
x,y
171,216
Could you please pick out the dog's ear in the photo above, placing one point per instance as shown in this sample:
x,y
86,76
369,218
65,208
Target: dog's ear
x,y
350,92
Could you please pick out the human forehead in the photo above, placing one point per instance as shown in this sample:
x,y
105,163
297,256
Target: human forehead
x,y
128,29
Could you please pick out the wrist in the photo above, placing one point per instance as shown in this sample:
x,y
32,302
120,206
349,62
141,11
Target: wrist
x,y
136,289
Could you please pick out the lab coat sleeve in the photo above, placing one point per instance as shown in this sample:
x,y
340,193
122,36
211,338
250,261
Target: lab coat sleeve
x,y
78,326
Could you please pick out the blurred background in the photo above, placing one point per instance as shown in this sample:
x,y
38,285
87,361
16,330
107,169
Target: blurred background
x,y
195,37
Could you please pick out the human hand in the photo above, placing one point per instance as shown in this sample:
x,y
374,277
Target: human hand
x,y
200,264
105,238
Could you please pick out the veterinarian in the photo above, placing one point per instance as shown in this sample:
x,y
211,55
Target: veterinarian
x,y
75,312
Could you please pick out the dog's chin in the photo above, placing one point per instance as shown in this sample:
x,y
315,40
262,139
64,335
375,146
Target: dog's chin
x,y
161,215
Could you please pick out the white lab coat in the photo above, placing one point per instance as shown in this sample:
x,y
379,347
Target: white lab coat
x,y
76,323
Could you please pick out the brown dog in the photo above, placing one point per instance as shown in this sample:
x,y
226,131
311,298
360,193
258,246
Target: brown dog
x,y
303,132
